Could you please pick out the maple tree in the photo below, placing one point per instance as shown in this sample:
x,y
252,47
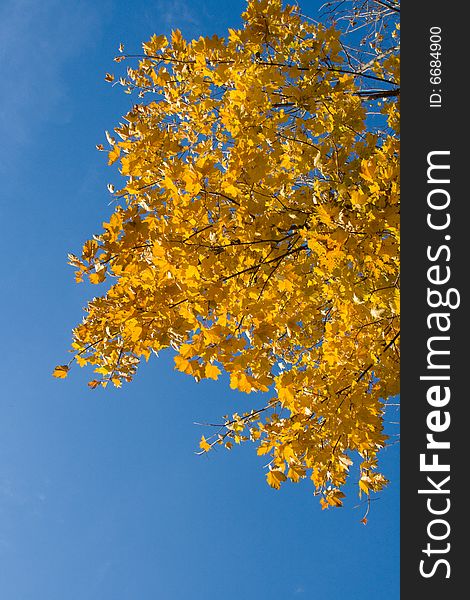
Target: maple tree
x,y
257,233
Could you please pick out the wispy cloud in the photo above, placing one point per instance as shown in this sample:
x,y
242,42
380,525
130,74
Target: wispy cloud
x,y
37,39
178,14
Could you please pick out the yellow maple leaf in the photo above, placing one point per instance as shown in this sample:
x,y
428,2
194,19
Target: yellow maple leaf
x,y
98,276
114,154
275,478
61,371
364,484
212,371
241,382
204,445
183,365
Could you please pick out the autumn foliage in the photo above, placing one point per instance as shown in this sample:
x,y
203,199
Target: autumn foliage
x,y
257,233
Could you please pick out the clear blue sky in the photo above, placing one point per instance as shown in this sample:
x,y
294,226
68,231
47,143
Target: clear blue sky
x,y
101,494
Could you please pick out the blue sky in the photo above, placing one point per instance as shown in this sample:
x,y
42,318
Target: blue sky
x,y
101,494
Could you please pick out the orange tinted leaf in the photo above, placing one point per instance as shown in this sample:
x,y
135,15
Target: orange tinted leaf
x,y
275,478
61,371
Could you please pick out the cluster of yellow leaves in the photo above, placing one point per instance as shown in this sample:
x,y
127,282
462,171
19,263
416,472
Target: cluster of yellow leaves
x,y
259,235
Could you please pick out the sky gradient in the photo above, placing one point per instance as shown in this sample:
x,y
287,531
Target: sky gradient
x,y
102,496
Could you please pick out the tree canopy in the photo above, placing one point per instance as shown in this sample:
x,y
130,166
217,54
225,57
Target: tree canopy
x,y
257,233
